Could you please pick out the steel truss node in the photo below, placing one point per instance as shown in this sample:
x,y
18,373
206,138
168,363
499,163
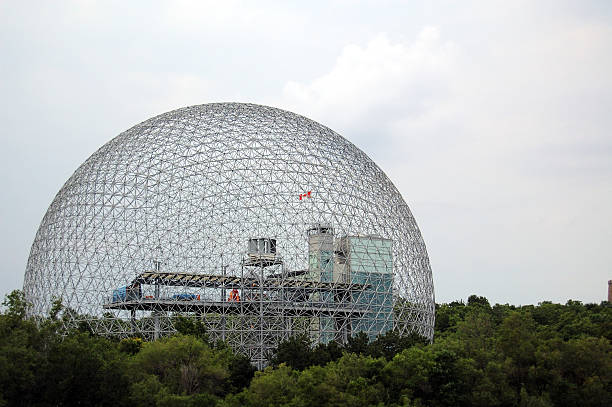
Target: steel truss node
x,y
259,221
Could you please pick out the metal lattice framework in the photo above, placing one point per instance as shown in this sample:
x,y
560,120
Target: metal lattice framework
x,y
259,221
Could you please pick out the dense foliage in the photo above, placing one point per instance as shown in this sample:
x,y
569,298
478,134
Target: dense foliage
x,y
483,355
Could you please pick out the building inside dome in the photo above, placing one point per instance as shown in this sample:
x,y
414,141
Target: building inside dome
x,y
259,222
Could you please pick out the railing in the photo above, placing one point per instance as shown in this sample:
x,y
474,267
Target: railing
x,y
249,303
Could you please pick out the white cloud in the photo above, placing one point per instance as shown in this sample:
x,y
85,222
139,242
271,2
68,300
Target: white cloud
x,y
229,16
383,80
500,145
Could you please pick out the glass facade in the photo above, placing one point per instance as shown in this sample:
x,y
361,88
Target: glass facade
x,y
320,268
369,260
366,260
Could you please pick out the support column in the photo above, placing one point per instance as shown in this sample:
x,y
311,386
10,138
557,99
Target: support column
x,y
133,320
261,319
156,315
223,299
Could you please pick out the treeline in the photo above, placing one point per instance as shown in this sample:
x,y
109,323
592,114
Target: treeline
x,y
482,355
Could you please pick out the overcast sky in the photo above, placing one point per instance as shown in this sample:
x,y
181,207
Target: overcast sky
x,y
493,119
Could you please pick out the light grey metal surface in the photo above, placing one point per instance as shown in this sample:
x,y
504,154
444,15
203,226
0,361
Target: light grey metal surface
x,y
184,192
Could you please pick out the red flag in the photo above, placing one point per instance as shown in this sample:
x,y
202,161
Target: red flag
x,y
306,195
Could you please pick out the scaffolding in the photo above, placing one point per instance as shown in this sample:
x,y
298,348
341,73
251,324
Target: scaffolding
x,y
258,221
267,307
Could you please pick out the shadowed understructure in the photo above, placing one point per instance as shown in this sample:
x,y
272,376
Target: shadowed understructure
x,y
260,222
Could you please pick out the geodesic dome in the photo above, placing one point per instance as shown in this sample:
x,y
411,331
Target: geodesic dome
x,y
261,222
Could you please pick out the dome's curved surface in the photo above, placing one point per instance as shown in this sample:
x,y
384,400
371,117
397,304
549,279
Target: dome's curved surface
x,y
184,191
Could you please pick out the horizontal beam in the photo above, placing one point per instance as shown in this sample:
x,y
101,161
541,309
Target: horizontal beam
x,y
269,308
216,281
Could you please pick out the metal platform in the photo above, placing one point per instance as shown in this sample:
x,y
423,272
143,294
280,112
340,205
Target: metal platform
x,y
262,260
268,308
217,281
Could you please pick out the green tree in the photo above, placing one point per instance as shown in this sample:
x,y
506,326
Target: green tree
x,y
84,370
477,301
324,353
295,352
188,325
516,339
184,365
391,343
406,376
447,317
475,332
131,346
271,387
21,345
358,343
16,305
241,372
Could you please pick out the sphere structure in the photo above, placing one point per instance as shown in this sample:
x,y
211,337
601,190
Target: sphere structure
x,y
259,222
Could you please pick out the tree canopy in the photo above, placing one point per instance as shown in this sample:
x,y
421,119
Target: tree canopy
x,y
482,355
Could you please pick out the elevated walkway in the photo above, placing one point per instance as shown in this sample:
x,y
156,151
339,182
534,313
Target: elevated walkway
x,y
216,281
275,296
255,307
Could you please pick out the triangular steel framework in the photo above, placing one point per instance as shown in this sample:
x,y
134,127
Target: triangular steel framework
x,y
171,205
